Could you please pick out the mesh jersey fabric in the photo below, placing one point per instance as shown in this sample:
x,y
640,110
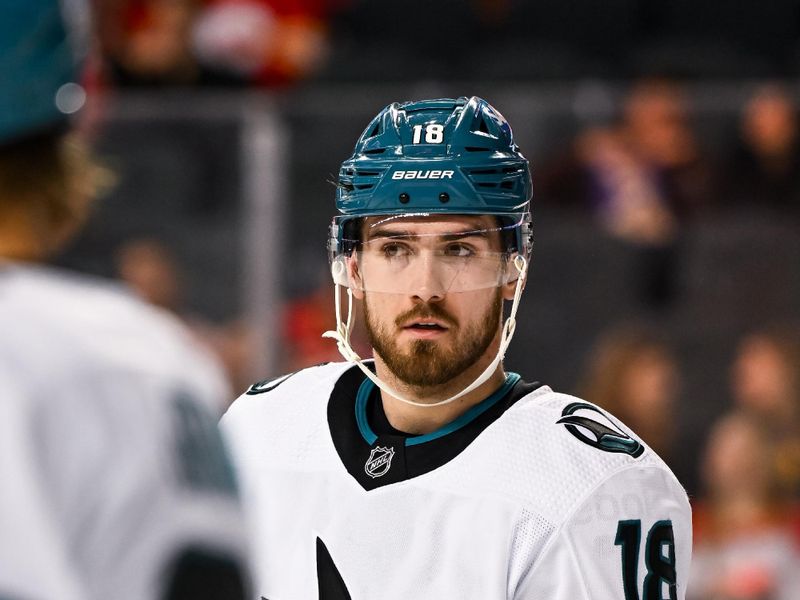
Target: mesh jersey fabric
x,y
109,455
514,515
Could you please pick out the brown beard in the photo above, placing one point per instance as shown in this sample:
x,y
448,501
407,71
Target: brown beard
x,y
427,363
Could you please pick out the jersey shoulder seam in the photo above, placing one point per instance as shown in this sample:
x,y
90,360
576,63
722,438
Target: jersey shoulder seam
x,y
269,384
266,389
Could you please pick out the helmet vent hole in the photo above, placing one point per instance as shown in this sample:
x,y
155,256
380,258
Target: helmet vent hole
x,y
482,127
375,130
375,151
476,149
507,185
444,197
404,198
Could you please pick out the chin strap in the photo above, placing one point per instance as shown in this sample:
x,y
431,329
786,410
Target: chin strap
x,y
343,329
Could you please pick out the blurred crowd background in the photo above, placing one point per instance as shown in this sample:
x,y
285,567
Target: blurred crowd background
x,y
665,148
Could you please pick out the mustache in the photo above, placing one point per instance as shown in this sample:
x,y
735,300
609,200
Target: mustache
x,y
426,311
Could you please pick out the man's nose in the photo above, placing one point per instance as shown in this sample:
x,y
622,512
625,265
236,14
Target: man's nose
x,y
427,282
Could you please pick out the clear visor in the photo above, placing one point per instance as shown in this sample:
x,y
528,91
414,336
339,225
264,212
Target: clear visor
x,y
417,253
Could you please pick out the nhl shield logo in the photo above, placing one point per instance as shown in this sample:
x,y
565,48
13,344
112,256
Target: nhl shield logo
x,y
379,461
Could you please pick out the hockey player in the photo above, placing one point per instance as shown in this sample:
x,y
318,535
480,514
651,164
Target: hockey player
x,y
113,479
431,472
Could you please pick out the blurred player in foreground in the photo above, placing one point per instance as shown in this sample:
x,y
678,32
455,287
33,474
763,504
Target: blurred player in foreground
x,y
431,472
114,479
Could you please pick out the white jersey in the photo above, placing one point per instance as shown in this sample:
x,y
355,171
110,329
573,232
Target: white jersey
x,y
113,479
529,495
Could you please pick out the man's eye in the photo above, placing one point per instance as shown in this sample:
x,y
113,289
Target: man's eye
x,y
394,250
459,250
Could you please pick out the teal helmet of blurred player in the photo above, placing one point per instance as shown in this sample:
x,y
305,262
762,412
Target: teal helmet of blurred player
x,y
38,66
448,157
445,156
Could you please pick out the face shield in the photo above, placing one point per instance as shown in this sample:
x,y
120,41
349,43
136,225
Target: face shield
x,y
413,253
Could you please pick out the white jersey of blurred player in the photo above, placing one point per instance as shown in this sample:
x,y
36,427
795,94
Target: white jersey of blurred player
x,y
535,495
114,480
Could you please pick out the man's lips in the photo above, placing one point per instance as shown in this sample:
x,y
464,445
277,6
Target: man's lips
x,y
425,328
430,321
422,332
426,324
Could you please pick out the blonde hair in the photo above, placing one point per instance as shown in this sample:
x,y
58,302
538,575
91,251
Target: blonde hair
x,y
52,177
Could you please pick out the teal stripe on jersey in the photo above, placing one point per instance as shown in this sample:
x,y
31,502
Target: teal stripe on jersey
x,y
367,386
364,390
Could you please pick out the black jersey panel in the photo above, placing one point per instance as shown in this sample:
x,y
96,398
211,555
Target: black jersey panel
x,y
387,457
331,584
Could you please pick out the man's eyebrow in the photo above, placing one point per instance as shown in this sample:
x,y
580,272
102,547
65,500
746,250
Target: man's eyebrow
x,y
389,233
450,237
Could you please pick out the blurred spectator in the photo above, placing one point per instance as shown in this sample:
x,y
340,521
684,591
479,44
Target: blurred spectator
x,y
305,320
148,42
150,269
764,168
657,128
268,42
744,548
641,179
765,383
632,373
213,42
625,194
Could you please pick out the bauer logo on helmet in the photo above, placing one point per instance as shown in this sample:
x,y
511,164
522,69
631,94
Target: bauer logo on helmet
x,y
430,174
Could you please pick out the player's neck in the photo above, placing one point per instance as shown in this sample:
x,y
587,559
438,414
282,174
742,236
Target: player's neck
x,y
420,420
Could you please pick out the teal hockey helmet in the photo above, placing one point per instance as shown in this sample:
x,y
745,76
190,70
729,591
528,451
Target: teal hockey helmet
x,y
38,67
444,156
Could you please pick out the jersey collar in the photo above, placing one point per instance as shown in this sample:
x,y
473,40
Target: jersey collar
x,y
367,388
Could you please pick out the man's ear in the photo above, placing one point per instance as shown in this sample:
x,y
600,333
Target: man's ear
x,y
509,289
354,276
